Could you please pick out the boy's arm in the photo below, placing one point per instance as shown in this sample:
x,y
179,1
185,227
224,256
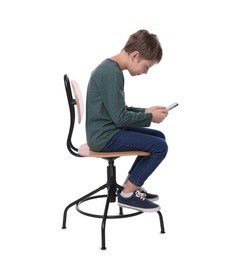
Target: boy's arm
x,y
135,109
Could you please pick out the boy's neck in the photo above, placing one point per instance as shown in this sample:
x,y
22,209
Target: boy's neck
x,y
121,59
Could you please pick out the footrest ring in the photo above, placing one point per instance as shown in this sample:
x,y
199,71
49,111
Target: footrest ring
x,y
120,215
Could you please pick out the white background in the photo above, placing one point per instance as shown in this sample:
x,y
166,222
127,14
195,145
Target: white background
x,y
43,40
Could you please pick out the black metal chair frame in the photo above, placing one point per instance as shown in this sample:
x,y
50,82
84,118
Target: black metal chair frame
x,y
111,185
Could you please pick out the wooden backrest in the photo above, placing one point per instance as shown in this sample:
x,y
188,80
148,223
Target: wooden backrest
x,y
79,100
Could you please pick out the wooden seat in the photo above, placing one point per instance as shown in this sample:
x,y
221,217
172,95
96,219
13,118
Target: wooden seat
x,y
75,100
85,151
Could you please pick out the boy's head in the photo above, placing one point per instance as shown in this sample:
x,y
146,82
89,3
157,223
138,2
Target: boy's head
x,y
143,50
146,44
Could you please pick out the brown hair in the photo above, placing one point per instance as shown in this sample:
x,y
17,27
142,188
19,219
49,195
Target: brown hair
x,y
147,44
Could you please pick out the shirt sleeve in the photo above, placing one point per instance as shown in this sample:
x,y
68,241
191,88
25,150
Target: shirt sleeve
x,y
136,109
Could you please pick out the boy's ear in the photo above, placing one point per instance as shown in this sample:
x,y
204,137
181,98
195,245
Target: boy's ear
x,y
134,55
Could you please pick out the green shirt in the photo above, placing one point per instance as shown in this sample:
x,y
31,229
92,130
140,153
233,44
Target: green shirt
x,y
106,110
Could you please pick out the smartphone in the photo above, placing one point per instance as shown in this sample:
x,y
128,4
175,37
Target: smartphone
x,y
175,104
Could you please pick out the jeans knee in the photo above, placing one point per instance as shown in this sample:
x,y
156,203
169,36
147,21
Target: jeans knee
x,y
162,149
166,149
162,136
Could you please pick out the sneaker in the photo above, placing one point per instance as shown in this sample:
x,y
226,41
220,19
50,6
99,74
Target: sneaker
x,y
149,196
138,202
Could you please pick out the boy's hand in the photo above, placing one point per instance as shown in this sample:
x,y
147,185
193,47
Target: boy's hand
x,y
151,109
158,115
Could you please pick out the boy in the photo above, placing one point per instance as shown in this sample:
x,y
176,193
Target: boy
x,y
113,126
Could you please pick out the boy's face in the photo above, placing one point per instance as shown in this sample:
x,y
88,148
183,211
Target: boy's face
x,y
138,66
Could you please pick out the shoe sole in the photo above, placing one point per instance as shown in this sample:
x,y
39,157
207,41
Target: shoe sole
x,y
139,209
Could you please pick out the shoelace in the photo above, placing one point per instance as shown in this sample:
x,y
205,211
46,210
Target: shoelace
x,y
142,190
140,195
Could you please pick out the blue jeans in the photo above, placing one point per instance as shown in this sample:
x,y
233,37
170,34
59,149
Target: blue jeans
x,y
140,139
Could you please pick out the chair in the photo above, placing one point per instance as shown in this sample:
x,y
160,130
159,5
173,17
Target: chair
x,y
111,186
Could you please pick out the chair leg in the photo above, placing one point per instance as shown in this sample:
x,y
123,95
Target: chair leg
x,y
77,201
161,222
103,226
